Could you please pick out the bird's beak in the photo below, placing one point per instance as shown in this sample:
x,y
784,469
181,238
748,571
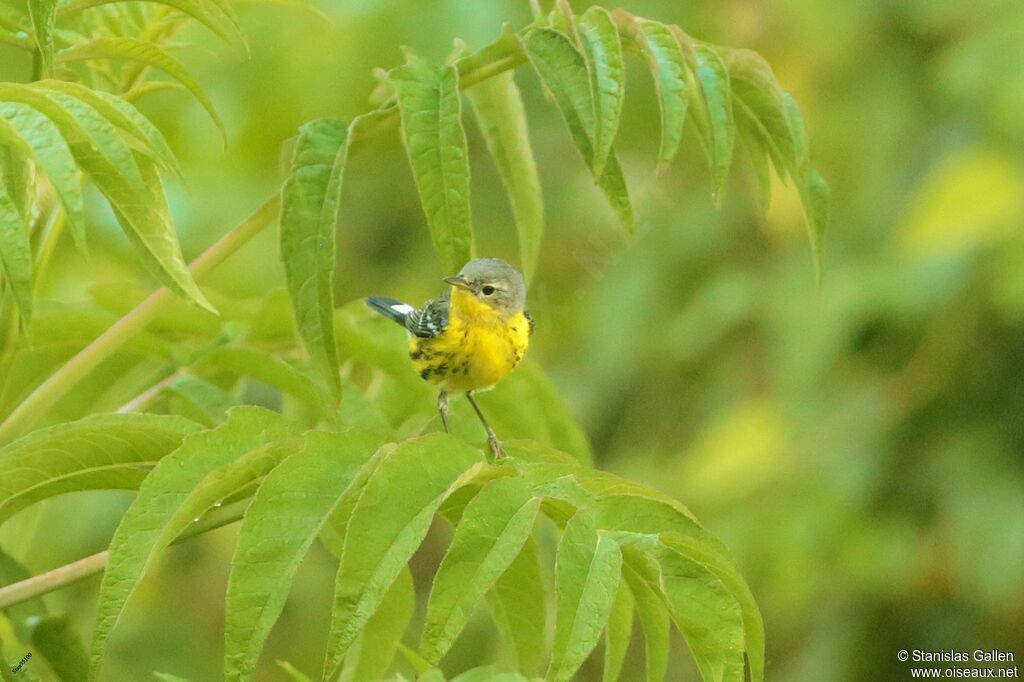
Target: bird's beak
x,y
457,281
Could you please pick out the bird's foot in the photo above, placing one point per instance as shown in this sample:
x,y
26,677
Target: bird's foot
x,y
496,449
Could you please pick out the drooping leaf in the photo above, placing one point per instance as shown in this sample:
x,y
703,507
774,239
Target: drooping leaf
x,y
16,254
144,215
814,194
149,524
431,112
641,574
518,602
284,518
587,574
204,402
107,138
651,517
715,88
268,368
618,633
758,104
492,532
147,53
706,614
99,452
309,214
489,673
371,655
56,640
813,189
122,114
381,536
219,17
50,151
563,70
502,118
665,58
44,14
602,47
17,172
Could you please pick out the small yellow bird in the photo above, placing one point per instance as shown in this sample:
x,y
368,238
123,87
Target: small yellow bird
x,y
472,337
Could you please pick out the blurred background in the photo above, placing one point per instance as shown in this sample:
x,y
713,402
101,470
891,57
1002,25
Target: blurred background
x,y
859,445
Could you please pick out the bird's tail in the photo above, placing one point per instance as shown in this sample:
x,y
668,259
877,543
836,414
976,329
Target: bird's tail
x,y
390,308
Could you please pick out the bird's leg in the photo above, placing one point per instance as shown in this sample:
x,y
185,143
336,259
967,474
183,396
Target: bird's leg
x,y
442,407
492,440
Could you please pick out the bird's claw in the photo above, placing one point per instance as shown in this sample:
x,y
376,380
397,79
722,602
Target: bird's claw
x,y
496,449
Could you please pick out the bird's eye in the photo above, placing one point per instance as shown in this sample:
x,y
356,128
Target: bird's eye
x,y
487,290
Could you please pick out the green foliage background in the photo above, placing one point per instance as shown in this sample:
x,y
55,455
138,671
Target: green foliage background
x,y
858,446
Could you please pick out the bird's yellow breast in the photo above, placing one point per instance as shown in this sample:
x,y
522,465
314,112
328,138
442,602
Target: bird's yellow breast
x,y
477,349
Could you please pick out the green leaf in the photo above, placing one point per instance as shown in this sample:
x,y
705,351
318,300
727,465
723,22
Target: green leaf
x,y
106,136
431,111
758,103
587,573
309,214
268,368
706,614
715,88
205,402
281,522
668,66
618,633
55,638
518,602
154,520
122,114
143,214
603,49
147,53
99,452
16,255
563,70
502,118
50,151
17,172
371,655
641,574
44,14
489,674
219,17
492,532
665,522
814,192
381,535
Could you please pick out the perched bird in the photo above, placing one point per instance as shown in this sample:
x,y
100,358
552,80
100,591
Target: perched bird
x,y
471,337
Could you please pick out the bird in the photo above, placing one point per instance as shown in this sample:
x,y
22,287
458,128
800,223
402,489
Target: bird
x,y
469,338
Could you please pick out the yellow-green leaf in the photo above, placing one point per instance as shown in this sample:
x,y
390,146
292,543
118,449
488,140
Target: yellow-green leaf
x,y
311,200
502,118
146,53
603,50
431,111
667,64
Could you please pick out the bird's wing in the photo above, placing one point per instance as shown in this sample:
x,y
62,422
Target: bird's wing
x,y
430,320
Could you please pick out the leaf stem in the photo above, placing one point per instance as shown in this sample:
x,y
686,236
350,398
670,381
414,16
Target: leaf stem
x,y
87,359
68,574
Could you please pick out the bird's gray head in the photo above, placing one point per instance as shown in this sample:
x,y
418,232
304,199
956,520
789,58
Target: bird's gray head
x,y
493,282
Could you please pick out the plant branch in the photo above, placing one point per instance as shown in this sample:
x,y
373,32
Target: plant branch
x,y
68,574
87,359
